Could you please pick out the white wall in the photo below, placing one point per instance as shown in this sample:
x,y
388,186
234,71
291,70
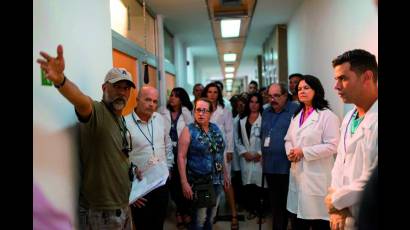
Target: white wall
x,y
180,63
190,68
320,30
83,28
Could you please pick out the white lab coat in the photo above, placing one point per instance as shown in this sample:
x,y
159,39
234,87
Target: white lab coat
x,y
310,177
251,171
222,117
354,166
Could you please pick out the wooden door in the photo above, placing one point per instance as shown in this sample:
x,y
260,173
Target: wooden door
x,y
123,60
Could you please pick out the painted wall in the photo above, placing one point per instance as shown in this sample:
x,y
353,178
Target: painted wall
x,y
320,30
180,63
83,28
191,78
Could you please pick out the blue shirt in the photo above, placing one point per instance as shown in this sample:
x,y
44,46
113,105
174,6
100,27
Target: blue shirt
x,y
200,159
275,126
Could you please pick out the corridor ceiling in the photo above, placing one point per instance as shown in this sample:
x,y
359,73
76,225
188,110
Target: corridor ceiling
x,y
191,22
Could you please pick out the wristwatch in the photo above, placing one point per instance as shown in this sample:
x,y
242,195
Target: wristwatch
x,y
62,83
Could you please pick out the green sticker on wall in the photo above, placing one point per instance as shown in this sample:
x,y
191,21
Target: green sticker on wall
x,y
44,80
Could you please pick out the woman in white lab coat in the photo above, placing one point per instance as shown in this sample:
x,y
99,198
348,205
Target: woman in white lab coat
x,y
311,142
249,148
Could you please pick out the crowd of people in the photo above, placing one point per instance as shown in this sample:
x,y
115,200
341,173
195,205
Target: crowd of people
x,y
282,145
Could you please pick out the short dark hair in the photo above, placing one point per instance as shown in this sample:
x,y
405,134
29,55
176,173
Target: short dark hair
x,y
183,96
196,85
360,61
254,83
299,75
318,102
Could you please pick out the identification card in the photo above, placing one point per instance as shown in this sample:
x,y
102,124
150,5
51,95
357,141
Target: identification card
x,y
153,160
267,141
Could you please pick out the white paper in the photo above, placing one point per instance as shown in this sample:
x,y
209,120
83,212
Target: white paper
x,y
152,178
267,141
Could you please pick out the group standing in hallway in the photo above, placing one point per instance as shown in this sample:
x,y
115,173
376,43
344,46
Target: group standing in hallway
x,y
315,166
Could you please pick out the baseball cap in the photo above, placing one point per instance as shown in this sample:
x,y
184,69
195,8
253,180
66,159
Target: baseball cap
x,y
119,74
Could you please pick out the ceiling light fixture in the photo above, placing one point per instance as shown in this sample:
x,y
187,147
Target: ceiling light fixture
x,y
229,75
229,69
229,57
230,28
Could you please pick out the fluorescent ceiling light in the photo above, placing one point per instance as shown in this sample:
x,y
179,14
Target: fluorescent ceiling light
x,y
230,28
229,69
231,57
229,75
229,81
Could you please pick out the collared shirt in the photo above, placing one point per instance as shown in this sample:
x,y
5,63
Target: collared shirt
x,y
275,126
149,140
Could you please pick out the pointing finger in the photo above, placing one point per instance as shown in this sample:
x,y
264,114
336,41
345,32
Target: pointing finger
x,y
59,52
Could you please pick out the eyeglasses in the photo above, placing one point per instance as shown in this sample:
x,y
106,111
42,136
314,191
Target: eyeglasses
x,y
276,96
198,110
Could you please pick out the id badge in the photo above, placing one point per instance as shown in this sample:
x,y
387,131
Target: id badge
x,y
267,141
153,160
174,144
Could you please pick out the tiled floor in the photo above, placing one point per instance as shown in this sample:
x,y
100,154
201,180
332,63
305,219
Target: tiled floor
x,y
170,222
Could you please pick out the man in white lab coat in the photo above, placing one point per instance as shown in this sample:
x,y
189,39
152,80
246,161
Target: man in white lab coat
x,y
356,75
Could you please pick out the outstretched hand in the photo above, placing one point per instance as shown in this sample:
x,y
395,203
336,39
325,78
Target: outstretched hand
x,y
53,67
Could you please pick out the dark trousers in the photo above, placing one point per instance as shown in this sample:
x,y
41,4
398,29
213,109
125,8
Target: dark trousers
x,y
278,185
238,188
152,215
175,188
254,195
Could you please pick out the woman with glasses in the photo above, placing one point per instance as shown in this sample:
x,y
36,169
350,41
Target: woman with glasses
x,y
223,118
177,115
310,143
200,156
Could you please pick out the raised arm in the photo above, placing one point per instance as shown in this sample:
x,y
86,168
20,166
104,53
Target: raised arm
x,y
54,70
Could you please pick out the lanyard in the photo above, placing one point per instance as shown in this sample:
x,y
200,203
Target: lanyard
x,y
127,147
152,133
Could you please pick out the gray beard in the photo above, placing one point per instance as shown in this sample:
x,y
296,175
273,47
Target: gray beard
x,y
118,104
